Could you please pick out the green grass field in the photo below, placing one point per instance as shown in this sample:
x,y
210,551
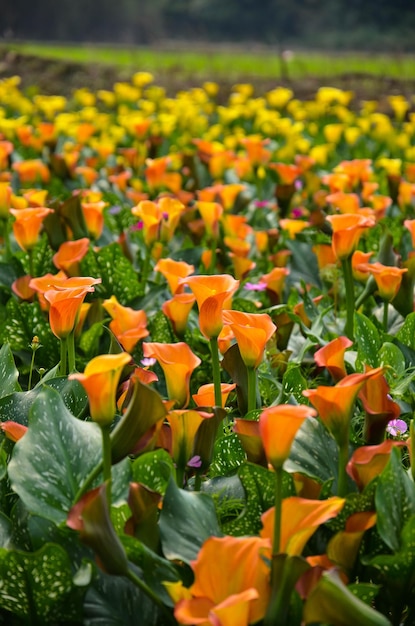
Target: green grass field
x,y
228,61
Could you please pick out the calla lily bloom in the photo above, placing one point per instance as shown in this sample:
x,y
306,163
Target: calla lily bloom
x,y
252,332
300,518
250,438
177,309
275,280
213,294
278,426
13,430
388,278
64,308
344,546
331,356
184,425
27,225
5,199
335,404
69,255
177,362
206,394
128,325
173,271
347,229
211,213
93,213
21,287
367,462
100,381
360,258
379,407
230,573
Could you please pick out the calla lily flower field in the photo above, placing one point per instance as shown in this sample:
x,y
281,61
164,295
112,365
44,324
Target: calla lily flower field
x,y
207,357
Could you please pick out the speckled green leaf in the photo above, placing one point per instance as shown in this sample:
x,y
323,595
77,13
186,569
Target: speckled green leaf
x,y
53,459
228,456
367,340
23,321
293,384
391,357
259,486
406,334
118,275
314,453
395,501
8,372
38,586
16,406
187,519
153,469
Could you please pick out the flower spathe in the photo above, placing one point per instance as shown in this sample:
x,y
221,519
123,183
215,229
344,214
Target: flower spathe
x,y
231,581
278,426
27,225
347,229
100,381
128,325
252,332
331,356
177,362
213,294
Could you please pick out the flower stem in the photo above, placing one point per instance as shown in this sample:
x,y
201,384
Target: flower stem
x,y
106,459
216,370
349,286
385,315
252,380
94,473
63,367
71,352
277,520
342,474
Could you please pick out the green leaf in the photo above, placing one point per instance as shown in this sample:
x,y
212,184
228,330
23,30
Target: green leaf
x,y
17,405
153,469
228,456
187,519
314,453
118,275
38,586
406,334
155,569
293,384
9,373
303,264
367,340
259,486
53,459
392,358
395,501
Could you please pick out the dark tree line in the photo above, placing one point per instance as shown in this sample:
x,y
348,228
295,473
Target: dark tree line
x,y
368,24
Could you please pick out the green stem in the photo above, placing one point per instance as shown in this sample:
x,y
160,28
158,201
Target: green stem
x,y
6,239
32,365
385,315
216,370
93,474
63,368
277,612
212,264
342,474
106,459
277,521
198,481
349,286
168,617
31,270
71,352
252,380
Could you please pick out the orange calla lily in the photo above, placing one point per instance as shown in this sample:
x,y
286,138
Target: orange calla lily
x,y
252,332
213,294
177,362
177,309
360,258
347,229
100,381
275,280
388,278
93,213
128,325
331,356
250,438
173,271
230,573
5,199
184,425
64,307
27,225
69,254
278,426
211,212
206,394
379,408
300,518
335,404
367,462
343,548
